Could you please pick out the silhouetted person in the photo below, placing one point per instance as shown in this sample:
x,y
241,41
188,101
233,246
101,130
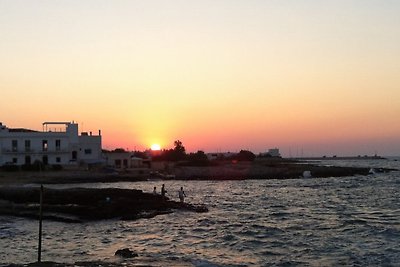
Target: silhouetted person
x,y
155,191
182,195
163,192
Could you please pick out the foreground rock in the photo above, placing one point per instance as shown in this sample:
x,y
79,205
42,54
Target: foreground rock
x,y
83,204
126,253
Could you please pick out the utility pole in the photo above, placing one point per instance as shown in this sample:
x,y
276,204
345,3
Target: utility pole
x,y
40,224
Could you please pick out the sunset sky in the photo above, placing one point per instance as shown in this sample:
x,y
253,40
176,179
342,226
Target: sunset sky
x,y
307,76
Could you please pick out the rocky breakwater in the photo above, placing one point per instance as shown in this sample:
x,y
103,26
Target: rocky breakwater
x,y
267,169
83,204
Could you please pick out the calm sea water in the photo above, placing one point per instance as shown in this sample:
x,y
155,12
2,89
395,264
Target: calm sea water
x,y
348,221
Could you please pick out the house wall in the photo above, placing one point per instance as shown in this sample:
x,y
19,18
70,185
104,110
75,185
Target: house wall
x,y
23,147
89,148
118,159
123,160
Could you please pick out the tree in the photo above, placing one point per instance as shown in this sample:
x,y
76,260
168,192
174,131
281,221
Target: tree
x,y
196,159
179,147
179,151
198,156
119,150
245,155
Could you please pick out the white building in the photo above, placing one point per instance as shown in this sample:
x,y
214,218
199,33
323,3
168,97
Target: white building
x,y
124,160
272,152
52,145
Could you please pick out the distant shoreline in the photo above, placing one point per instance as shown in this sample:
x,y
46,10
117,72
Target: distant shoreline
x,y
260,169
341,158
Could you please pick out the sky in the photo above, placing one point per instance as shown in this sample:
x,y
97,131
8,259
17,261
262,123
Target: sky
x,y
309,77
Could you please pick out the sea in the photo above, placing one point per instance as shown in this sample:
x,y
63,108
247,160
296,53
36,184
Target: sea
x,y
344,221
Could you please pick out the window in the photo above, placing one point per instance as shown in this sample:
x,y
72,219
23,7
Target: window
x,y
118,163
88,151
27,145
14,145
15,160
125,163
58,145
28,160
45,145
58,159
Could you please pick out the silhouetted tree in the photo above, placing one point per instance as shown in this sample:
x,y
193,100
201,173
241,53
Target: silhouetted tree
x,y
178,153
198,156
119,150
197,159
179,147
163,155
245,155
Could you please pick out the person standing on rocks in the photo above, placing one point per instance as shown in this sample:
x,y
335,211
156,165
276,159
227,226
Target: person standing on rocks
x,y
155,191
163,192
182,195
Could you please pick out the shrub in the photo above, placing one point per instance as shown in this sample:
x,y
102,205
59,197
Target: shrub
x,y
10,168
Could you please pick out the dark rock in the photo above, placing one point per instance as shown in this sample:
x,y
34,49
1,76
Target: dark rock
x,y
126,253
83,204
189,207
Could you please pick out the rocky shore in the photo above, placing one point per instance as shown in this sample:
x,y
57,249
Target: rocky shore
x,y
82,204
265,170
115,263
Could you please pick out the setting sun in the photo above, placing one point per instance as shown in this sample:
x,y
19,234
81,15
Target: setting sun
x,y
155,147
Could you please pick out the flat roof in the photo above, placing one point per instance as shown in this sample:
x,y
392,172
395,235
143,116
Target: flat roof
x,y
21,130
56,122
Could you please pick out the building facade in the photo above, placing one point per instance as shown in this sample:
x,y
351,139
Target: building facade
x,y
52,145
124,160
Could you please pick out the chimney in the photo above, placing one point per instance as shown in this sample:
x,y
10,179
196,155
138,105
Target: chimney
x,y
100,132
